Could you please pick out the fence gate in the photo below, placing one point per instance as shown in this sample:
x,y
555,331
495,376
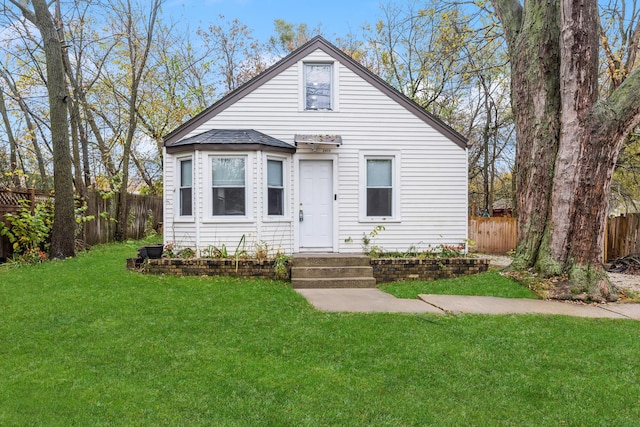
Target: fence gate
x,y
497,235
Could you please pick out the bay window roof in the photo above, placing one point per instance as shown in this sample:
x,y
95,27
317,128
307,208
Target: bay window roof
x,y
231,140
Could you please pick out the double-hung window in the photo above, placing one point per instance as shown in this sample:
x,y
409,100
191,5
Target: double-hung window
x,y
186,187
379,197
275,187
318,82
229,185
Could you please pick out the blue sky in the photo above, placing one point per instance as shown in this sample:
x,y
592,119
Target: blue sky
x,y
338,17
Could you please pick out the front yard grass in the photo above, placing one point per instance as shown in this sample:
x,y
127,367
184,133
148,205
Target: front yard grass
x,y
86,342
490,283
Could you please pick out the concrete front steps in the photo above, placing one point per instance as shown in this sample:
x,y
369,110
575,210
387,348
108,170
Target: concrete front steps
x,y
331,271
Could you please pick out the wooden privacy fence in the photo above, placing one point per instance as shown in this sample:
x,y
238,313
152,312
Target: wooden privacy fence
x,y
144,212
499,235
621,236
496,235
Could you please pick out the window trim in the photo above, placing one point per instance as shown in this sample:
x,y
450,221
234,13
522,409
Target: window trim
x,y
178,193
396,187
209,217
334,90
285,187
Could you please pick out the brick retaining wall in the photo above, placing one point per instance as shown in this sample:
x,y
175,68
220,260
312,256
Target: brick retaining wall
x,y
394,269
205,267
384,269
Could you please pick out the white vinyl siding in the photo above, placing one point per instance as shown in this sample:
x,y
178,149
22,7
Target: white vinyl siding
x,y
431,171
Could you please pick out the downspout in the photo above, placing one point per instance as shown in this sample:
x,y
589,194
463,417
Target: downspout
x,y
258,191
292,211
165,217
197,190
466,201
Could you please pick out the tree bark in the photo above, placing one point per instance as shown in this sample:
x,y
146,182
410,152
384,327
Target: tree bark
x,y
63,232
74,110
568,139
532,35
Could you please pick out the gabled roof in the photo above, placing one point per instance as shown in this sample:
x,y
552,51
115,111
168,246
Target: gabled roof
x,y
316,43
230,139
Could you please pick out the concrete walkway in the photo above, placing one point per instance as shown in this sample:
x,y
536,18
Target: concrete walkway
x,y
366,300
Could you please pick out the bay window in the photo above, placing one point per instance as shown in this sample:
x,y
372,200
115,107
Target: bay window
x,y
229,185
186,187
275,187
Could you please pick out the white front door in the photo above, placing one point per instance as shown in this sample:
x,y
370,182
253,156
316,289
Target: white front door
x,y
316,205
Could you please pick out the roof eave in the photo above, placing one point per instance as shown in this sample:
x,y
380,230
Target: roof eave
x,y
185,148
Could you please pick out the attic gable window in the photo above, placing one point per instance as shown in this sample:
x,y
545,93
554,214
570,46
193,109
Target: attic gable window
x,y
318,86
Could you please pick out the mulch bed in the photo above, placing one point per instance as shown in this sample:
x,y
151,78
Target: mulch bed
x,y
629,264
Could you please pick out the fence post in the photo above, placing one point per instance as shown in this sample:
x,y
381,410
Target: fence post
x,y
32,199
606,240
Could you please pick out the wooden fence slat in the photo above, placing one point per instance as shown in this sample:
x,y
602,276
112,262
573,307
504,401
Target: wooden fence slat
x,y
495,235
623,234
99,230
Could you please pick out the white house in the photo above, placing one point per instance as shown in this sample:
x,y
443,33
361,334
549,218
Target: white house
x,y
310,156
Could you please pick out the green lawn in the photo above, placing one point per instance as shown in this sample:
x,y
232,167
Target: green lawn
x,y
86,342
489,284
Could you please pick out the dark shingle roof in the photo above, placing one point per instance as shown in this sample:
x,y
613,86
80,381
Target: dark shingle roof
x,y
235,139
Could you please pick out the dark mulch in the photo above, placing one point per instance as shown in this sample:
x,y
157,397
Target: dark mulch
x,y
629,264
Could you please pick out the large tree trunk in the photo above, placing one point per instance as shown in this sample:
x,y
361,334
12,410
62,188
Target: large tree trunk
x,y
568,140
535,101
63,233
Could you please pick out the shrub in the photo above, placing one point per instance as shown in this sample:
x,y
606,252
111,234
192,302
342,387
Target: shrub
x,y
280,265
26,231
30,233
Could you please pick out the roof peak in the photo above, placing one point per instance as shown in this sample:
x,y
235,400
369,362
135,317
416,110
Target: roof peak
x,y
316,42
